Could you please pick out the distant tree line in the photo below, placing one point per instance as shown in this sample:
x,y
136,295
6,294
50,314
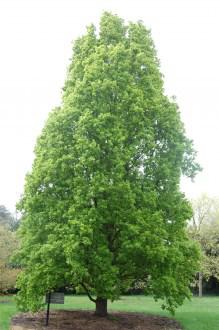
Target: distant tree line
x,y
7,219
204,229
8,245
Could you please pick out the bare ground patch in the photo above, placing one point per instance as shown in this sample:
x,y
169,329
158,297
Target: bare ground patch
x,y
86,320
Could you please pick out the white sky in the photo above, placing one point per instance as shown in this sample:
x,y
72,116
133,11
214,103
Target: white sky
x,y
36,40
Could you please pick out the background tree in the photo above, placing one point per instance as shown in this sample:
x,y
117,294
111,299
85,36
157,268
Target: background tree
x,y
204,228
6,218
102,206
8,245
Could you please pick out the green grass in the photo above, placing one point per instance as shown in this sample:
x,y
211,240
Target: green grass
x,y
7,309
198,314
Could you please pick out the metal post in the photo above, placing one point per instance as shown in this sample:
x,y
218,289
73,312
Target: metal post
x,y
48,306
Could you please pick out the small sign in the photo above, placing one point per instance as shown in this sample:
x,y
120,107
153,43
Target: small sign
x,y
55,298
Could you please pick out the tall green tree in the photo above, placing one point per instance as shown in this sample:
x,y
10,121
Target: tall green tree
x,y
102,205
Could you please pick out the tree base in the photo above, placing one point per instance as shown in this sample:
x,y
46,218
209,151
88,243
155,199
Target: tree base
x,y
101,307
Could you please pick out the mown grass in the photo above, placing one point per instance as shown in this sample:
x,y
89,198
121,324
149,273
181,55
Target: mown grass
x,y
197,314
7,309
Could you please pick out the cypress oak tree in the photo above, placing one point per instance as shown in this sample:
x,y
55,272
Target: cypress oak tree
x,y
102,206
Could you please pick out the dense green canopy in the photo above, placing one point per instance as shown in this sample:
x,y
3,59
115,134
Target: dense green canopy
x,y
102,206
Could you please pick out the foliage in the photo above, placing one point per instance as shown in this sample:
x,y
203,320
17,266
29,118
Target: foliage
x,y
8,245
204,228
102,206
209,239
205,211
7,219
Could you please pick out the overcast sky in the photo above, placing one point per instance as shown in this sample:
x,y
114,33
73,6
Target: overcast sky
x,y
36,41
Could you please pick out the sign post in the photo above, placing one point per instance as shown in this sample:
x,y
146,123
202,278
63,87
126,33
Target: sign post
x,y
53,298
48,306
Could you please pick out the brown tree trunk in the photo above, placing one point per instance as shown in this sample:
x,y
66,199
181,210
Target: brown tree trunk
x,y
200,284
101,307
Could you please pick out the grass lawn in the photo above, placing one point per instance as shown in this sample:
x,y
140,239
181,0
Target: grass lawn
x,y
7,309
198,314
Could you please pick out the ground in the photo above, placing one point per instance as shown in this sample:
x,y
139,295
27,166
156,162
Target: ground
x,y
197,314
81,320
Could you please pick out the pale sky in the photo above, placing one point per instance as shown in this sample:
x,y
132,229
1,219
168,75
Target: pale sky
x,y
36,41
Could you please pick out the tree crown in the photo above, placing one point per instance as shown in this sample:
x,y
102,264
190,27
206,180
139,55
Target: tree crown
x,y
102,206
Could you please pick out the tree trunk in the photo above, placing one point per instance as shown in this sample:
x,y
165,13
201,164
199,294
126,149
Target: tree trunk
x,y
101,307
200,284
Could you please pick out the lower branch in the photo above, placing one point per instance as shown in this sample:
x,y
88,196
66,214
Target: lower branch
x,y
88,293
